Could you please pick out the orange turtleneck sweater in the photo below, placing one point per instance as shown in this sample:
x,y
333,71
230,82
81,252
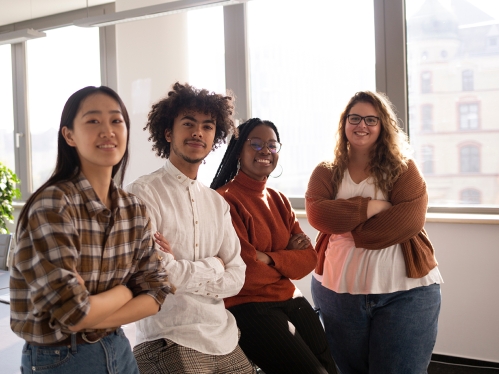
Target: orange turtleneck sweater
x,y
264,220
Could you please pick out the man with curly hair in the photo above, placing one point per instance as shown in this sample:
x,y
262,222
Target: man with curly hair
x,y
193,332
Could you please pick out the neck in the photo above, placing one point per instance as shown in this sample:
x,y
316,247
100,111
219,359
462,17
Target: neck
x,y
359,158
188,169
100,182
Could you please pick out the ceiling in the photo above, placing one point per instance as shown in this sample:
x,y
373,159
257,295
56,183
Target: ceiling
x,y
12,11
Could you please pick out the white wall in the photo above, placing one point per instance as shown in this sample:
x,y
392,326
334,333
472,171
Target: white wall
x,y
468,257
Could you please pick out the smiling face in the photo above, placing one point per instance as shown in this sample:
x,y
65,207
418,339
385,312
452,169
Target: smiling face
x,y
362,137
191,140
99,134
259,164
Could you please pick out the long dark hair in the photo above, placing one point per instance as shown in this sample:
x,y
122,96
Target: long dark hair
x,y
68,163
228,167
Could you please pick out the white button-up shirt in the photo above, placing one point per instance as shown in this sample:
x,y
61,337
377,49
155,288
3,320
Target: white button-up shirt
x,y
195,220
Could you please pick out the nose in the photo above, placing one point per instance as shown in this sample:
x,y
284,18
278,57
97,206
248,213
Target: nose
x,y
196,132
107,130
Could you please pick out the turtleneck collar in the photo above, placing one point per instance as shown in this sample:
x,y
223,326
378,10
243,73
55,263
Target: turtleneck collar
x,y
250,183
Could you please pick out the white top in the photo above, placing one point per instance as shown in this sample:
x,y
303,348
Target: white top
x,y
360,271
196,222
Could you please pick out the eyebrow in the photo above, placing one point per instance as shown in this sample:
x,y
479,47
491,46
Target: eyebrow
x,y
100,112
191,118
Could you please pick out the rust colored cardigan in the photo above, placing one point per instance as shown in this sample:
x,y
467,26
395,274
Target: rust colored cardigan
x,y
401,224
264,220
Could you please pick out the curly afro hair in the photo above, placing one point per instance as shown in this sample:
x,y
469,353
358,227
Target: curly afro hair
x,y
185,98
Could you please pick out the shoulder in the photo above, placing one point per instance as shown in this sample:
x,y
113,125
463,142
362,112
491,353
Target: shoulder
x,y
55,197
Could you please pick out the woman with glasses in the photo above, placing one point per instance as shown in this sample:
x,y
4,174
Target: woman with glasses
x,y
376,282
280,331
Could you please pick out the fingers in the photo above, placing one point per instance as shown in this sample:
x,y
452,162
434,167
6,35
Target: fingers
x,y
162,242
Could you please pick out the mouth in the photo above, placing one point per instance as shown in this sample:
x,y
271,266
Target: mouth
x,y
263,161
196,144
361,133
106,146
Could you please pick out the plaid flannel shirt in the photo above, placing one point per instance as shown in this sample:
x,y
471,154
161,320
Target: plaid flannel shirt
x,y
68,229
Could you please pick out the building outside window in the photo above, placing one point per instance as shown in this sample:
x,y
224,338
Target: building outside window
x,y
427,159
426,82
468,116
470,196
427,117
463,101
469,157
468,83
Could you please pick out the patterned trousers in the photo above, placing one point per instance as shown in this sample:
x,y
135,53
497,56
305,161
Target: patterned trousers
x,y
165,356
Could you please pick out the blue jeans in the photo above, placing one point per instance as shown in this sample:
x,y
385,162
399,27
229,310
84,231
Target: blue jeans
x,y
380,333
111,354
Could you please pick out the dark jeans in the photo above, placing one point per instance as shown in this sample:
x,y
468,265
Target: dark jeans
x,y
389,333
284,337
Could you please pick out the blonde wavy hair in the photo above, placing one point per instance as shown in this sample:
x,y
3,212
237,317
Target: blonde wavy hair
x,y
391,152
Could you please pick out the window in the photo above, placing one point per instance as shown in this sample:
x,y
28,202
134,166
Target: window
x,y
459,114
427,117
6,109
426,82
206,38
306,61
468,116
70,52
470,196
468,84
427,159
469,157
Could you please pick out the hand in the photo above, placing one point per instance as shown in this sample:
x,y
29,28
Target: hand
x,y
263,257
298,241
377,206
221,261
164,246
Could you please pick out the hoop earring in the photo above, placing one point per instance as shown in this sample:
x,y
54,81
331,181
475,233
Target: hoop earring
x,y
277,176
238,164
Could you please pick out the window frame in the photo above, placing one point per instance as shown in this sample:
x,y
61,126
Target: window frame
x,y
391,70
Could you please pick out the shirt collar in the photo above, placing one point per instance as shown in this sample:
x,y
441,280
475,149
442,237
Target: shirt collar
x,y
177,174
92,202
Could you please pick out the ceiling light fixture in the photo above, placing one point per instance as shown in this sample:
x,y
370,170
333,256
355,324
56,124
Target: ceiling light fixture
x,y
20,36
151,12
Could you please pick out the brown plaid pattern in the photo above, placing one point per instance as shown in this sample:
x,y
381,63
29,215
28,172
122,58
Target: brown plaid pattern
x,y
69,228
166,357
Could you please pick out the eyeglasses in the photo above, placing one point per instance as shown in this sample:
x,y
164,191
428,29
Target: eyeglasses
x,y
355,119
258,144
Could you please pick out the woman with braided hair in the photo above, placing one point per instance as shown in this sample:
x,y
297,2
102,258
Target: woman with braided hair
x,y
280,331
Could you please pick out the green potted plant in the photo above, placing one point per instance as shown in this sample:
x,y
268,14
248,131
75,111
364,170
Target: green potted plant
x,y
8,192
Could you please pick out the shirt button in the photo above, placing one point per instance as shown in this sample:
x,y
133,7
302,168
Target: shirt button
x,y
179,177
196,222
216,295
196,244
208,293
192,200
192,182
200,284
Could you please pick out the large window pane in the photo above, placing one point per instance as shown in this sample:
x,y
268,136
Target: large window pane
x,y
306,60
58,65
451,47
207,67
6,108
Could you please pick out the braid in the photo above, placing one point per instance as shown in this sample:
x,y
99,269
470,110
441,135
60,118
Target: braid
x,y
228,167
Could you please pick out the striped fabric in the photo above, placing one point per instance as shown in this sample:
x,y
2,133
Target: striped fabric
x,y
69,229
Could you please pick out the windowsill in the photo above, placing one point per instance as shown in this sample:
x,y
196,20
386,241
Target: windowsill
x,y
482,219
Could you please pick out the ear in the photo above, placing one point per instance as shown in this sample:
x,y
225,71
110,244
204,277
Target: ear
x,y
168,135
68,136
